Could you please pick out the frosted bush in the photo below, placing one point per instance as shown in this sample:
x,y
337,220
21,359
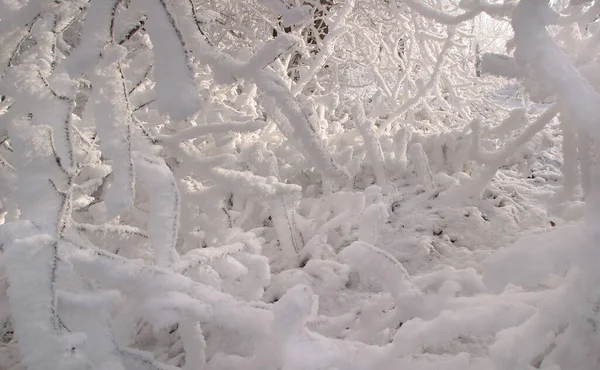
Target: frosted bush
x,y
275,184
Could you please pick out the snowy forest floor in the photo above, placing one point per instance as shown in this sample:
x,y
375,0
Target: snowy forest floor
x,y
458,297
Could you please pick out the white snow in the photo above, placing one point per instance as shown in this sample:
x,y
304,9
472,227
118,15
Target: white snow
x,y
182,188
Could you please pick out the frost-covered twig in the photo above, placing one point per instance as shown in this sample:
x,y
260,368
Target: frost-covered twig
x,y
476,7
493,161
118,229
539,56
214,128
409,103
163,225
335,30
228,69
373,146
173,67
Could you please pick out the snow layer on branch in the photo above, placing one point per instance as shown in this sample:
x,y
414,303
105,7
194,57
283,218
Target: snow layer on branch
x,y
132,277
370,260
253,186
207,255
100,346
167,309
372,217
176,92
226,69
212,128
538,54
500,65
533,259
36,164
31,262
194,344
110,110
163,225
13,16
479,320
128,276
96,33
269,52
10,41
336,28
372,144
289,15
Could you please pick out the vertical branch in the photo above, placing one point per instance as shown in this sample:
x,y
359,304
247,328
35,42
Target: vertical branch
x,y
226,69
163,224
30,262
327,49
286,231
493,161
112,115
421,165
173,67
46,163
402,138
109,102
282,215
194,344
586,161
433,80
569,167
365,127
538,54
11,43
97,33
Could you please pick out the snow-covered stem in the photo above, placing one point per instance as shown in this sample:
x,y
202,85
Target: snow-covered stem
x,y
173,66
569,168
117,229
282,215
193,343
493,161
214,128
403,138
433,79
163,225
476,7
585,147
31,263
110,97
335,30
420,163
538,54
286,230
227,69
373,145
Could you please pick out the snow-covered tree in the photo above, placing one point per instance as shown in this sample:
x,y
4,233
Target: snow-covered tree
x,y
205,184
